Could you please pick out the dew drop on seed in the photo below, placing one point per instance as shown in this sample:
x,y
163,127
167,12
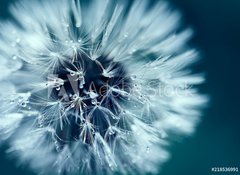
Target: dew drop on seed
x,y
111,132
57,147
81,85
147,149
58,88
94,101
78,25
18,40
72,105
23,104
74,97
93,95
134,77
72,74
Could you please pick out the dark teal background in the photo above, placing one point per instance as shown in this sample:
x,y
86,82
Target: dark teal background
x,y
216,141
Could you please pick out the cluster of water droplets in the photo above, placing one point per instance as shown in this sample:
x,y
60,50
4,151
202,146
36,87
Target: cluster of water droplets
x,y
86,96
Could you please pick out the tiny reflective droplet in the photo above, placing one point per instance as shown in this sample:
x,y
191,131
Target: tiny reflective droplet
x,y
111,132
134,77
72,105
94,101
147,149
72,73
18,40
14,57
93,95
24,104
75,96
58,88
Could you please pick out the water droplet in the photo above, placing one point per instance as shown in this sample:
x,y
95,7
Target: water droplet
x,y
14,57
18,40
57,147
72,74
134,77
93,95
81,113
147,149
75,96
81,84
23,104
74,48
40,123
72,105
12,101
78,24
58,88
111,131
94,101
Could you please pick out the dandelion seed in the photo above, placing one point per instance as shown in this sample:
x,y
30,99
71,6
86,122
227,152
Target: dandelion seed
x,y
95,87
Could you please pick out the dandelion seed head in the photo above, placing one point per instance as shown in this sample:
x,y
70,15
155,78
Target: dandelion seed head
x,y
95,87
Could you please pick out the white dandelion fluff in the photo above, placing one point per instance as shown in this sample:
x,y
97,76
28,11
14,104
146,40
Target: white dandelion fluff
x,y
95,87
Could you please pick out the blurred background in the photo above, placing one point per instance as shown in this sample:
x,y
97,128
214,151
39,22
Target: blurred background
x,y
216,142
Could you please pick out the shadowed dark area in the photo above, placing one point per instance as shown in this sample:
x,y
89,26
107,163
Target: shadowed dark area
x,y
84,92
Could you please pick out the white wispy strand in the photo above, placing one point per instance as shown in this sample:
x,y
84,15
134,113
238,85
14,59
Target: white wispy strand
x,y
144,39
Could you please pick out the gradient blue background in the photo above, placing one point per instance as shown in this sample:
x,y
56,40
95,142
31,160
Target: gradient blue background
x,y
216,142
